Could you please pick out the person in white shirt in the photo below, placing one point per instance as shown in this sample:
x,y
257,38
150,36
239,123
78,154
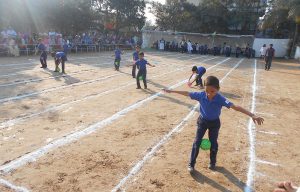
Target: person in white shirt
x,y
162,44
263,50
190,47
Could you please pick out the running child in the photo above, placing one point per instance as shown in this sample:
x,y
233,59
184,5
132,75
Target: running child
x,y
59,57
117,55
199,72
141,65
211,103
135,57
43,57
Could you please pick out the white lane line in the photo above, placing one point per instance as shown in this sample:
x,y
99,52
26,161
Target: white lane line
x,y
8,99
252,135
45,78
12,122
165,138
31,67
25,81
267,162
12,186
269,132
34,155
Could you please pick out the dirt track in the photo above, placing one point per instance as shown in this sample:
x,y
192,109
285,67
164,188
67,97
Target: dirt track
x,y
48,108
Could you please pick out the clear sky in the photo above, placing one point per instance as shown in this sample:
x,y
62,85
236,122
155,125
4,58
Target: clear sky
x,y
151,16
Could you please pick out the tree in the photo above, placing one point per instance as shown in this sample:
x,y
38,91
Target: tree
x,y
122,13
284,14
222,16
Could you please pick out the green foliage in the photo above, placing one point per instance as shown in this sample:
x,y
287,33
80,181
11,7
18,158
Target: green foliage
x,y
221,16
71,16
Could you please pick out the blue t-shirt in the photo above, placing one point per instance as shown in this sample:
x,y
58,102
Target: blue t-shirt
x,y
59,55
201,71
41,47
136,56
118,53
210,110
141,64
65,47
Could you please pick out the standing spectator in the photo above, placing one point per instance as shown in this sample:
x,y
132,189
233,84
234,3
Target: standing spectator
x,y
238,51
13,47
162,44
270,53
263,50
43,57
248,51
189,47
182,46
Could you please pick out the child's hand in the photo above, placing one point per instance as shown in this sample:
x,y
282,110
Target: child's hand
x,y
285,187
167,90
258,120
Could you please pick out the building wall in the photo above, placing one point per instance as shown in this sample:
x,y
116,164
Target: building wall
x,y
297,54
280,45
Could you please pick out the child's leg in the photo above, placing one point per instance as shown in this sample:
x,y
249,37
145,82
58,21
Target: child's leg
x,y
45,60
133,71
42,61
213,134
115,63
138,79
63,65
56,65
202,127
144,75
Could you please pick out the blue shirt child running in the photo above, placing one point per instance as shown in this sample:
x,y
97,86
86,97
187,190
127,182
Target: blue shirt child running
x,y
210,110
141,64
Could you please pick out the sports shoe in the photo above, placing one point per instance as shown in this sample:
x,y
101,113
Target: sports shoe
x,y
212,166
190,168
138,88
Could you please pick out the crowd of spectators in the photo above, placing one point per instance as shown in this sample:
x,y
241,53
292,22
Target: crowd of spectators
x,y
187,46
13,43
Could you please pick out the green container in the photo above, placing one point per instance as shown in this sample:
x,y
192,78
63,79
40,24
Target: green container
x,y
205,144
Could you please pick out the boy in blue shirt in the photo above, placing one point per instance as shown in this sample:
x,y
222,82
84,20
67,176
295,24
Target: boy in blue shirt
x,y
135,57
199,71
211,103
59,57
141,65
117,55
43,57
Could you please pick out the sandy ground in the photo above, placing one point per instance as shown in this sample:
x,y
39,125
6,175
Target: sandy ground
x,y
39,107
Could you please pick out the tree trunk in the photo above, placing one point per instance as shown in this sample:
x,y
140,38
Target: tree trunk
x,y
293,48
117,23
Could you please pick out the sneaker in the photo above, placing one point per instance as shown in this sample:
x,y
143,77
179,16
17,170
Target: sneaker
x,y
212,166
138,88
191,169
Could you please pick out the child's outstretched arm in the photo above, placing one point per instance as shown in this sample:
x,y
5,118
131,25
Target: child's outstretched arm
x,y
185,93
150,65
256,119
